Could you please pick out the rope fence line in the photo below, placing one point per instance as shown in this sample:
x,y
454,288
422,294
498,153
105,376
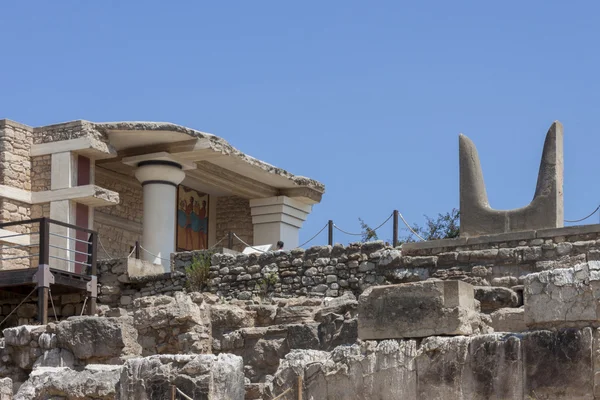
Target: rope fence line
x,y
409,228
318,233
584,218
246,244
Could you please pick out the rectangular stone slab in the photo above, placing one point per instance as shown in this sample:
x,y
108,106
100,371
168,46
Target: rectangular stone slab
x,y
418,309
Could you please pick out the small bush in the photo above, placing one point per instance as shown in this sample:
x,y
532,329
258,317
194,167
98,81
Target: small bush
x,y
198,271
264,285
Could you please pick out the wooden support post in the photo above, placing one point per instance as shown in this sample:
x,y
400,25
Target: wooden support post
x,y
137,250
173,394
395,232
230,240
299,387
330,238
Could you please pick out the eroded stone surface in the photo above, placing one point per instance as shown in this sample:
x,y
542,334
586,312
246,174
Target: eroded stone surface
x,y
372,370
558,364
417,310
99,338
199,376
94,382
563,297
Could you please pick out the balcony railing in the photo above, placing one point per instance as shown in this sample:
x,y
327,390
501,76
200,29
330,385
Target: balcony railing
x,y
44,241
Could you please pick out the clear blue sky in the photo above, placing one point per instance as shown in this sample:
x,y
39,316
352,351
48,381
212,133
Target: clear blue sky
x,y
367,97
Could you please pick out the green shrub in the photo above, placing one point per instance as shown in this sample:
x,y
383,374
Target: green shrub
x,y
198,271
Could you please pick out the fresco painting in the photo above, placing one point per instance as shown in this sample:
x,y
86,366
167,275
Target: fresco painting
x,y
192,219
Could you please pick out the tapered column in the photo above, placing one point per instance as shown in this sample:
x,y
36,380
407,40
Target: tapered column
x,y
159,179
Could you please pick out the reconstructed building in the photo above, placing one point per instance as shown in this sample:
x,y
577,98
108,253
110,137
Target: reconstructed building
x,y
169,187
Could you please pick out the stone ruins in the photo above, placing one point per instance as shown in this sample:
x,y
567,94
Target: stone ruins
x,y
509,310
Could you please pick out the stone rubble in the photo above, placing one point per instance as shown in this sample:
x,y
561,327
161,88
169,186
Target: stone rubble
x,y
426,339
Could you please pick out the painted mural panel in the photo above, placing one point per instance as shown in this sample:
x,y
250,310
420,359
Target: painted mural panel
x,y
192,219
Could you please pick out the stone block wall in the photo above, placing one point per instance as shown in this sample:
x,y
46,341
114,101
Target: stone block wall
x,y
119,226
500,260
117,289
318,271
65,305
15,171
234,214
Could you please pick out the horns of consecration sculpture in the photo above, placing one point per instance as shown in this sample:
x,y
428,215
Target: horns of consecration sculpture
x,y
548,193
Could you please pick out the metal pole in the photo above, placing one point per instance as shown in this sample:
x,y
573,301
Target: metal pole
x,y
44,257
230,240
330,224
395,233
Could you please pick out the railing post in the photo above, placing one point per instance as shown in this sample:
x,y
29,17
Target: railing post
x,y
43,269
44,239
230,240
173,394
395,232
330,240
94,252
137,250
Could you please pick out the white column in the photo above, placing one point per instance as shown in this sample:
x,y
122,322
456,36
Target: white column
x,y
159,179
278,218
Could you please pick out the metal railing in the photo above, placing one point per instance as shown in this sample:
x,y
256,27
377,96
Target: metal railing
x,y
76,249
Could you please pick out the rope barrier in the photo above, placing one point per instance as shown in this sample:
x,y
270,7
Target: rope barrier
x,y
347,233
185,396
216,244
52,302
104,249
362,233
318,233
83,308
582,219
17,307
409,228
132,251
154,255
246,244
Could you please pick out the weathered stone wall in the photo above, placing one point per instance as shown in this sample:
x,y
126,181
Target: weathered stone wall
x,y
119,226
318,271
504,259
117,289
67,131
534,365
499,261
15,171
234,214
65,305
40,181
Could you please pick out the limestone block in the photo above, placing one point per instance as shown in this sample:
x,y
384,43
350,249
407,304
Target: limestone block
x,y
508,320
373,370
558,364
493,298
563,297
417,309
22,335
94,382
6,389
478,367
55,358
98,338
201,377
